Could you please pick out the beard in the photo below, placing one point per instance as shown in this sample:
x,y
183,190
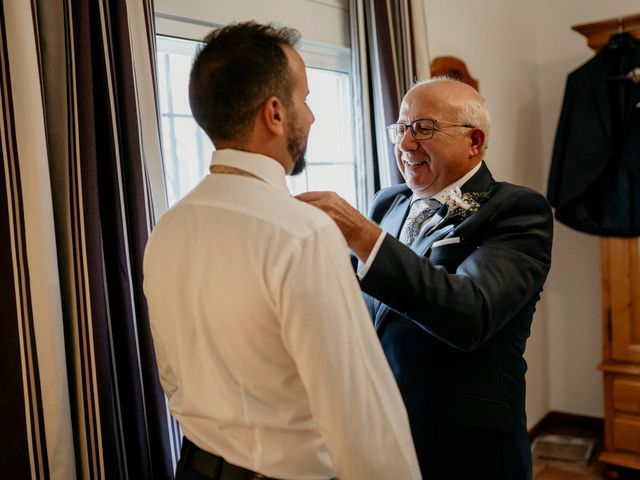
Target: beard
x,y
296,145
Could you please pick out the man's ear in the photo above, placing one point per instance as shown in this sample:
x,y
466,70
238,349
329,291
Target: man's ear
x,y
273,114
477,142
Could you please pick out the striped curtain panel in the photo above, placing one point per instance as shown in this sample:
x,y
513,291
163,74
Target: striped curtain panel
x,y
389,41
80,392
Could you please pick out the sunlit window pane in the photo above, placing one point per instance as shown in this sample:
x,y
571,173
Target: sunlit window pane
x,y
162,82
337,177
331,138
180,82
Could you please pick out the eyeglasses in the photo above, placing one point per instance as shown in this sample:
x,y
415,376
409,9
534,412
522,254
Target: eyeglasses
x,y
422,129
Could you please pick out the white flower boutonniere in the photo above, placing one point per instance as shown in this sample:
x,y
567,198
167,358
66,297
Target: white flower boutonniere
x,y
461,206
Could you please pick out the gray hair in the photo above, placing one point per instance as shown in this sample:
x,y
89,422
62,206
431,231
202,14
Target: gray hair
x,y
473,111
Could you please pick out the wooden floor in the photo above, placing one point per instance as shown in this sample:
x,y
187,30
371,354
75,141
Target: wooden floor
x,y
561,424
548,470
553,470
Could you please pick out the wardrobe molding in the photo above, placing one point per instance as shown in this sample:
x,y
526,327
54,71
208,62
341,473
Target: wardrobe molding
x,y
598,33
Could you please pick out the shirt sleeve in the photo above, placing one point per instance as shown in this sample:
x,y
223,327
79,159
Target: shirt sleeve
x,y
352,394
363,268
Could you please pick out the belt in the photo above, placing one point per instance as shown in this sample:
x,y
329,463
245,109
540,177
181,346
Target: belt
x,y
212,466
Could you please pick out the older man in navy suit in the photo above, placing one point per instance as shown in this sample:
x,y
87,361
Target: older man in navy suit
x,y
452,264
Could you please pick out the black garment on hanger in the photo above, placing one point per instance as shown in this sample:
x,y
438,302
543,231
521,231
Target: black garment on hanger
x,y
594,180
621,41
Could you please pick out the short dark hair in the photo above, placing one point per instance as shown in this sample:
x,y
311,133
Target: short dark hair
x,y
240,66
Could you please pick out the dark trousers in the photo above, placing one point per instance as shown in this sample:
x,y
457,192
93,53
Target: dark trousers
x,y
447,451
196,464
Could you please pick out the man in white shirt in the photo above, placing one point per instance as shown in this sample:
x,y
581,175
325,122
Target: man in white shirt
x,y
263,342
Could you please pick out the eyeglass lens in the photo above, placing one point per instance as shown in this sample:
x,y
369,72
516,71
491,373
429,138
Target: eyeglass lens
x,y
421,129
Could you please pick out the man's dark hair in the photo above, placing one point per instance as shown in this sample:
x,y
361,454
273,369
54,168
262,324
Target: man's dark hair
x,y
240,66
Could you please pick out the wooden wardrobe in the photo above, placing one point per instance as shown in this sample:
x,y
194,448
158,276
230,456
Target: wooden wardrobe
x,y
620,258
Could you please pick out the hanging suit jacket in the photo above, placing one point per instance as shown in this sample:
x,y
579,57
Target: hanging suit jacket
x,y
594,181
453,320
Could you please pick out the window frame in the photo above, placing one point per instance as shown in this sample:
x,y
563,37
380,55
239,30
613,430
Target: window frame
x,y
316,55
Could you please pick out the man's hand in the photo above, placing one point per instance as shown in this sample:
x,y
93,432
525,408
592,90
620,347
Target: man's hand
x,y
360,233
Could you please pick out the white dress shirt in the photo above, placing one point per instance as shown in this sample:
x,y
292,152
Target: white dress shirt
x,y
441,196
263,343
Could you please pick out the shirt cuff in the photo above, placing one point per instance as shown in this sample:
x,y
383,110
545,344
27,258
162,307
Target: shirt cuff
x,y
363,268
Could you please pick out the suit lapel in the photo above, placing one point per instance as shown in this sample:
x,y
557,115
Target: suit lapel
x,y
380,314
394,218
480,182
426,236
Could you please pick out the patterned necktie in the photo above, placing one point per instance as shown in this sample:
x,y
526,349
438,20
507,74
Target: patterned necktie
x,y
420,211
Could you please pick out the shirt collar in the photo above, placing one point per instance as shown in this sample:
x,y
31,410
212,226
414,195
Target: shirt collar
x,y
442,195
263,167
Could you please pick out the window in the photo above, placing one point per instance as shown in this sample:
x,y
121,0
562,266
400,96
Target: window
x,y
186,148
332,163
330,157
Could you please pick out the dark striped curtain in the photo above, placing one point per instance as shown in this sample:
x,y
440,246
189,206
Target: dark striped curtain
x,y
389,41
81,396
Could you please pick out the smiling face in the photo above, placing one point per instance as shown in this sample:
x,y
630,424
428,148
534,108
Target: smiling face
x,y
428,166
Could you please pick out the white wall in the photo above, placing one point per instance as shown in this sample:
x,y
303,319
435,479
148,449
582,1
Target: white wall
x,y
521,52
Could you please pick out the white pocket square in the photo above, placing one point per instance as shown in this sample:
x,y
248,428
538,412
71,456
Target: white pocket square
x,y
446,241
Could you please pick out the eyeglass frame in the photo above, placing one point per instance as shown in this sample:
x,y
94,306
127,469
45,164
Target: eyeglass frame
x,y
398,138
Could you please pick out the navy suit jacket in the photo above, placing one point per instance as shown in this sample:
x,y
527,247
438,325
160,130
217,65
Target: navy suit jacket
x,y
453,321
